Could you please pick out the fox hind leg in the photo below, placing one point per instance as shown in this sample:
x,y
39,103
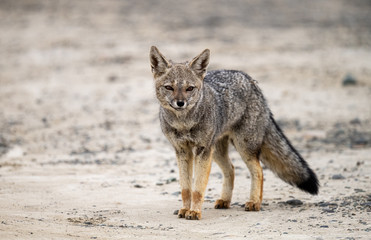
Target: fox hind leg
x,y
251,159
256,191
220,156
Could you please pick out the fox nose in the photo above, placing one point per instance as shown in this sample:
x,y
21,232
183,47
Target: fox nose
x,y
180,103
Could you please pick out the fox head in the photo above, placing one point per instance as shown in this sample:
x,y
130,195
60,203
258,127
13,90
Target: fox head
x,y
178,85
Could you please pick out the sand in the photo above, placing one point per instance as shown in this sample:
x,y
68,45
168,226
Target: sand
x,y
82,155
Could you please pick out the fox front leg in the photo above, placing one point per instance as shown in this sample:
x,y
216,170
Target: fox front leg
x,y
185,164
202,172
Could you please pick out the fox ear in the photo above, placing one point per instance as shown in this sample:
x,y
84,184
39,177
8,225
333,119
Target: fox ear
x,y
159,64
200,63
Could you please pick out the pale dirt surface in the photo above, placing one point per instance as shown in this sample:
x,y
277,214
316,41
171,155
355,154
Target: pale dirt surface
x,y
82,155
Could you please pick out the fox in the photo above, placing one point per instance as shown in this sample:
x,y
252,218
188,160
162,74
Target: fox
x,y
202,113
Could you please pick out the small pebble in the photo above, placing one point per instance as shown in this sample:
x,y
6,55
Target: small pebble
x,y
355,121
294,202
358,190
170,180
328,210
112,78
349,80
367,204
337,177
176,193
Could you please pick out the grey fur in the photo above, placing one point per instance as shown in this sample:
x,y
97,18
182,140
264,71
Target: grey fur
x,y
225,104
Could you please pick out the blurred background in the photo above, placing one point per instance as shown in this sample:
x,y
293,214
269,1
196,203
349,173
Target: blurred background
x,y
78,110
75,64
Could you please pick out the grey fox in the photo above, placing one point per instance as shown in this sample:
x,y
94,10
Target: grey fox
x,y
201,113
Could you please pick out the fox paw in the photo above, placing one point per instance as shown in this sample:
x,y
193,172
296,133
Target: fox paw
x,y
221,204
193,215
182,213
252,206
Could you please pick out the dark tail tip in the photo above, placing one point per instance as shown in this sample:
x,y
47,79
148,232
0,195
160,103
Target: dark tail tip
x,y
311,184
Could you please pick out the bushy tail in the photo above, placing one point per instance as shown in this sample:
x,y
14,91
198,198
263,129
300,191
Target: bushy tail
x,y
281,157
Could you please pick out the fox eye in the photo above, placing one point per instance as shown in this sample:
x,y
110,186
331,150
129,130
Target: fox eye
x,y
167,87
190,88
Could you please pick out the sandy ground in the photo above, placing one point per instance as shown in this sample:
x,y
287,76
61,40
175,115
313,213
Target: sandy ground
x,y
82,155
